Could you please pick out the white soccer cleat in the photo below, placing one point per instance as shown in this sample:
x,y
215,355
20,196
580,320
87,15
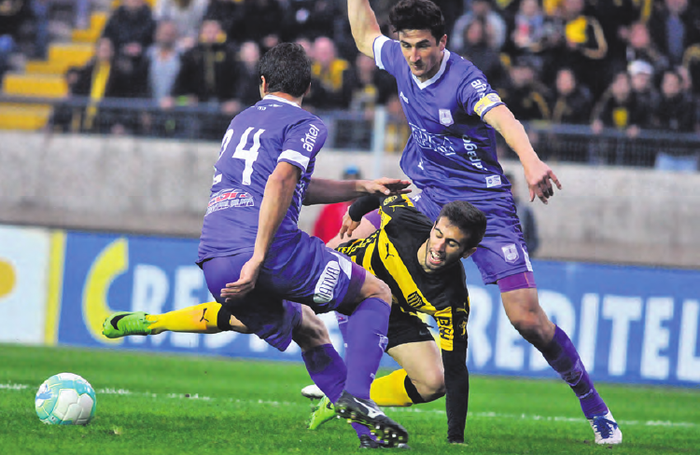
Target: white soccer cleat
x,y
606,429
312,392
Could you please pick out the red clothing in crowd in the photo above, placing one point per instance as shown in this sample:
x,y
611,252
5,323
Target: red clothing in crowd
x,y
330,220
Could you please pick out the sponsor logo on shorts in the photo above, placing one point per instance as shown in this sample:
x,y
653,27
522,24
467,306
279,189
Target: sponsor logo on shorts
x,y
325,286
493,180
446,117
510,252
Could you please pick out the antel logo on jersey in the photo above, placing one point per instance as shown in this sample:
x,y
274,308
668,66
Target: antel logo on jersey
x,y
326,283
403,97
510,252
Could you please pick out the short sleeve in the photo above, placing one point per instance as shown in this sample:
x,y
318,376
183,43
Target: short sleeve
x,y
302,142
476,95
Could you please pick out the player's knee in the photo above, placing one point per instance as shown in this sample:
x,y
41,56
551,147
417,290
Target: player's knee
x,y
311,332
529,326
431,385
376,288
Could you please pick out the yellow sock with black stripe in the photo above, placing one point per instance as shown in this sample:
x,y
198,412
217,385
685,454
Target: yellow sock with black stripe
x,y
200,318
395,389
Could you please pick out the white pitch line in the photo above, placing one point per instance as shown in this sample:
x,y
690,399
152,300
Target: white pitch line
x,y
477,415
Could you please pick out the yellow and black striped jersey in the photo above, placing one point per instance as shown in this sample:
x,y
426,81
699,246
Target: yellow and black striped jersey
x,y
391,254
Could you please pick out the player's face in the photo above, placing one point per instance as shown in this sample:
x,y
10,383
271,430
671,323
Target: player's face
x,y
422,52
445,246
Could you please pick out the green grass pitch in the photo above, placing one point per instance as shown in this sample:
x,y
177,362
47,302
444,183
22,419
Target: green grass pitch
x,y
166,404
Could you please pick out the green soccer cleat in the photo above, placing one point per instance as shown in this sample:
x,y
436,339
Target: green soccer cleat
x,y
126,323
323,412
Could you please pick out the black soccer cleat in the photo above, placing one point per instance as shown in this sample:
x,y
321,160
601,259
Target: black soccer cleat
x,y
367,413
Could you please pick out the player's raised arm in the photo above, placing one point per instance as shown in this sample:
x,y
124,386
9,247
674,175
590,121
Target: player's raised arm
x,y
364,26
326,191
538,175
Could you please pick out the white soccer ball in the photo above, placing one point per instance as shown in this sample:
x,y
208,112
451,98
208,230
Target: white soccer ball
x,y
65,399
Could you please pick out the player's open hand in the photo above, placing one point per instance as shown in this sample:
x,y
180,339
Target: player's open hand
x,y
387,186
245,283
539,178
348,226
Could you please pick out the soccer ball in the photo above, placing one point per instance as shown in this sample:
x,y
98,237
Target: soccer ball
x,y
65,399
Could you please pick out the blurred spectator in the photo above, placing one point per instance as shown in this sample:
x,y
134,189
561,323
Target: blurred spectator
x,y
640,47
312,18
495,25
525,95
248,92
207,76
100,78
676,113
163,61
674,26
477,51
187,16
330,219
691,65
617,109
528,222
40,14
584,46
332,80
306,43
229,13
645,93
131,28
372,86
528,29
397,128
13,14
572,102
263,21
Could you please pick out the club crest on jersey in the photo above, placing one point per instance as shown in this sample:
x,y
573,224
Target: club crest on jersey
x,y
446,117
510,252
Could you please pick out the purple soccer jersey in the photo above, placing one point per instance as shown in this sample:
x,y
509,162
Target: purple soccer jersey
x,y
271,131
451,153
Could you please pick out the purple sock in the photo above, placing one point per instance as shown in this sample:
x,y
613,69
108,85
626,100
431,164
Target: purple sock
x,y
343,327
561,355
326,369
361,429
366,340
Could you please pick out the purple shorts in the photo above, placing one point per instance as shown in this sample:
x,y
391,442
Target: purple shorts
x,y
502,252
307,272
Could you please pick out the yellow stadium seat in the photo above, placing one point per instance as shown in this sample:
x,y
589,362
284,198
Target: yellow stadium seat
x,y
92,33
38,85
23,116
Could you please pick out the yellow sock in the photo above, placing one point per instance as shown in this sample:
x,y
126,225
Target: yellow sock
x,y
390,390
195,319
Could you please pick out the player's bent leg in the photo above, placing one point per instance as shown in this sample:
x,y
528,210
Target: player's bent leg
x,y
206,317
421,380
526,315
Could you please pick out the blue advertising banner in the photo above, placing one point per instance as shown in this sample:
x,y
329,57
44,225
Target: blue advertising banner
x,y
630,324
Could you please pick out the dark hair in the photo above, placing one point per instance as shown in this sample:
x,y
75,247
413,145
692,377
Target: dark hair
x,y
418,15
286,68
468,219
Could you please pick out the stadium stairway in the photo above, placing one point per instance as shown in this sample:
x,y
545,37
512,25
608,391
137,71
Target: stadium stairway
x,y
45,79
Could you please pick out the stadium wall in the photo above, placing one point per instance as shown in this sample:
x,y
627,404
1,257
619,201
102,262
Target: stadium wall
x,y
630,324
126,184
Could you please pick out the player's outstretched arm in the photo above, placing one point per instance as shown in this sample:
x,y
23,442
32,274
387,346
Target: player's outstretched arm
x,y
279,191
538,175
325,191
364,26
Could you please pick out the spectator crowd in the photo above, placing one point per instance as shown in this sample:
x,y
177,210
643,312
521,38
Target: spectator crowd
x,y
623,65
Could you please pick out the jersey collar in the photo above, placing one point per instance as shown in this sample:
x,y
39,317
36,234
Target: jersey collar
x,y
281,100
432,80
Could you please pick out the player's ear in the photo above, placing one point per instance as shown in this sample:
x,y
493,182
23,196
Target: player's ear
x,y
443,42
263,87
468,252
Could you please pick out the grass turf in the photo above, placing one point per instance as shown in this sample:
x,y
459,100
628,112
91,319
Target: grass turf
x,y
167,404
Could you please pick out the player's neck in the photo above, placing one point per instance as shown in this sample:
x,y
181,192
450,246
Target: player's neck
x,y
287,96
422,251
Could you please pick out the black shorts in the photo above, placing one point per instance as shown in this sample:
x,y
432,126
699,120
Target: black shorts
x,y
405,327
